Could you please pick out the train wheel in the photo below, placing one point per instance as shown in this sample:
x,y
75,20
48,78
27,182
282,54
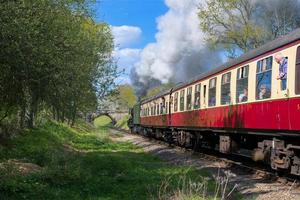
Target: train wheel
x,y
181,138
197,140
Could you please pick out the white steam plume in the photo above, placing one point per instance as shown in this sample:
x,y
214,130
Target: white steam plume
x,y
180,51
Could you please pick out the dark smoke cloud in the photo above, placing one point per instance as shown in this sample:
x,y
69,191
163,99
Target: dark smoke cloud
x,y
141,88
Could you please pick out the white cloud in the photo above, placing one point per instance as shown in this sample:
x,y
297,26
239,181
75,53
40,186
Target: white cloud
x,y
125,36
179,51
126,58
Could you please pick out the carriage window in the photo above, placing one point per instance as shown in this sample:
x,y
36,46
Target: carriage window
x,y
189,98
225,89
182,100
204,93
242,84
176,102
154,109
212,92
264,78
157,109
297,78
197,96
167,107
161,108
148,111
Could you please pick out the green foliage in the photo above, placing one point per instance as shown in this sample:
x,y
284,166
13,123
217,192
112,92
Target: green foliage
x,y
84,163
122,124
122,98
242,25
126,96
229,22
54,58
104,121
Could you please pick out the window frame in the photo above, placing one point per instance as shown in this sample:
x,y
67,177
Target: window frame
x,y
242,77
204,92
260,70
224,85
197,93
189,92
181,100
176,102
214,89
167,107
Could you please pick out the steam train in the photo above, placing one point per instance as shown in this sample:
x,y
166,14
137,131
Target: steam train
x,y
249,105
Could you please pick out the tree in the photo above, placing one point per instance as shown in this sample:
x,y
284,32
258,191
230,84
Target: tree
x,y
278,17
122,98
242,25
54,57
126,96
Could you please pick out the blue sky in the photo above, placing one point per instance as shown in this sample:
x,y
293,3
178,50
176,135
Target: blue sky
x,y
137,13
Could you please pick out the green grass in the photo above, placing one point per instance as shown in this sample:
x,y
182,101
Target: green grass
x,y
102,121
85,163
122,124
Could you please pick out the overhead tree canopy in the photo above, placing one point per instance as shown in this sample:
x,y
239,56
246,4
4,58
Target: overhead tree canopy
x,y
242,25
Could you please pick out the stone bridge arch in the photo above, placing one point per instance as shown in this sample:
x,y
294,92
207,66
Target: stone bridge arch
x,y
113,120
114,115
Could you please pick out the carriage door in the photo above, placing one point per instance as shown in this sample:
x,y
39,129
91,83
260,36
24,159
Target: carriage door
x,y
203,121
169,115
297,72
295,102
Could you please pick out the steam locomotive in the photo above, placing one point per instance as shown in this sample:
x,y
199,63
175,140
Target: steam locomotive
x,y
249,105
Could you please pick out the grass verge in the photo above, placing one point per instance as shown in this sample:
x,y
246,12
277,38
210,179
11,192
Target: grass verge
x,y
84,163
104,121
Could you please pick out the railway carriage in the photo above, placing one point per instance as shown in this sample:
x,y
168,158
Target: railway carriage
x,y
245,107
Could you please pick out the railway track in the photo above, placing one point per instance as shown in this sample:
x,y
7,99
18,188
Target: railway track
x,y
235,162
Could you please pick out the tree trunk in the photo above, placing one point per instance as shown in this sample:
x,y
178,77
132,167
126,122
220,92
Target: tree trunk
x,y
22,116
63,116
32,111
73,116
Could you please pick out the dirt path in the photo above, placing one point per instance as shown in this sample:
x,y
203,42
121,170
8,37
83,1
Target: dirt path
x,y
250,186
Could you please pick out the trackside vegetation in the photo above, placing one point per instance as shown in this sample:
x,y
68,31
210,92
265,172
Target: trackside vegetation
x,y
54,161
54,58
105,121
